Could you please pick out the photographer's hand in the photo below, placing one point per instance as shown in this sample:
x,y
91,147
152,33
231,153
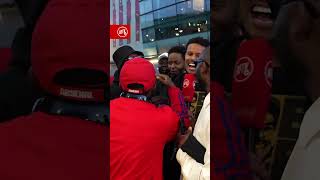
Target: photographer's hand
x,y
166,80
181,138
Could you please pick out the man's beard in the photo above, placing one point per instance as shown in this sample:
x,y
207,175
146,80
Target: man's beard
x,y
201,83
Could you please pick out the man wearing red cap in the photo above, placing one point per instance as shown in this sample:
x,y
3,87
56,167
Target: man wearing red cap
x,y
66,138
140,129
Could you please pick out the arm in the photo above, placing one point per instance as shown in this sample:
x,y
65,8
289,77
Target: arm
x,y
179,106
177,102
194,149
191,168
176,99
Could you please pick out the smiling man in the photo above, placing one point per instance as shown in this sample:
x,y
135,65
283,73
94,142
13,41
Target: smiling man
x,y
195,46
255,16
194,152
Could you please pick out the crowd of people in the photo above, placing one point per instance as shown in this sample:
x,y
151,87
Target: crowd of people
x,y
75,124
63,116
53,109
161,136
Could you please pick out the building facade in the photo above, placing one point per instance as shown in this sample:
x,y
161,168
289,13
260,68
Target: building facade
x,y
161,24
166,23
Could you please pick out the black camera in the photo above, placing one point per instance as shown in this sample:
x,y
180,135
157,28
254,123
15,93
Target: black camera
x,y
164,70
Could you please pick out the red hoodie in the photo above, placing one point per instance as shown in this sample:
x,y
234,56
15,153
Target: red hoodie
x,y
42,146
139,131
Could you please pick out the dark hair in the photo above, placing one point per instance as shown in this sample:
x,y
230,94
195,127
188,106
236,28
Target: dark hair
x,y
178,49
198,40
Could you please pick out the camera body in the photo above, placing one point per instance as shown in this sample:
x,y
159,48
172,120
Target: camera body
x,y
164,70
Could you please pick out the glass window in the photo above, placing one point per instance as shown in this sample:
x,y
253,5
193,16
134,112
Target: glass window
x,y
187,8
207,5
150,49
165,15
148,35
147,20
198,5
194,25
167,30
165,45
145,6
162,3
184,40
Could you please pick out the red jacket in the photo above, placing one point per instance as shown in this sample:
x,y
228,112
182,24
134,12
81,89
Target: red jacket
x,y
42,146
5,58
138,135
229,153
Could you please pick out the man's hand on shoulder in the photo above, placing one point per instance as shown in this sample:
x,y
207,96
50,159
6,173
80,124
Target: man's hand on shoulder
x,y
166,80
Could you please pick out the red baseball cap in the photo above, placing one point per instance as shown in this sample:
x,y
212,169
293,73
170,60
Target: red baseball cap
x,y
71,35
137,71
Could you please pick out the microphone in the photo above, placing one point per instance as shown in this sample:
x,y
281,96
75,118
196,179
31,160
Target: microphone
x,y
188,87
252,82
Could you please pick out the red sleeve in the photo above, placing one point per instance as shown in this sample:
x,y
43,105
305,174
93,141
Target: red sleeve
x,y
174,126
169,123
178,104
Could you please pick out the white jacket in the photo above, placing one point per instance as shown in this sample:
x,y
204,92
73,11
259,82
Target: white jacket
x,y
304,162
191,169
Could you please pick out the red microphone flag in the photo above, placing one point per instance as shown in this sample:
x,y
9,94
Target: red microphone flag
x,y
188,87
252,81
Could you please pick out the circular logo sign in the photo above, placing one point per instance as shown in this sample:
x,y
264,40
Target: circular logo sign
x,y
243,69
186,83
122,32
268,73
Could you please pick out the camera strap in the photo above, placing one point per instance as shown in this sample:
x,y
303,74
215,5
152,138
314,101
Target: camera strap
x,y
139,97
95,112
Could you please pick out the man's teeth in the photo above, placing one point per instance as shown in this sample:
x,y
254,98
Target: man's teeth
x,y
260,9
193,65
